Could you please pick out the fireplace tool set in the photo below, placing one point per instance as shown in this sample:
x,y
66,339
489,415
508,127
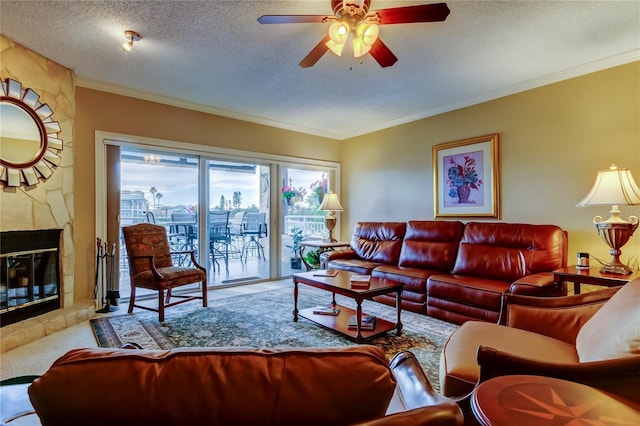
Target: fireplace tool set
x,y
106,275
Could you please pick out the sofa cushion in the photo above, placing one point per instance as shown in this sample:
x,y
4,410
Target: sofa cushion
x,y
222,386
378,241
508,251
613,331
459,370
431,244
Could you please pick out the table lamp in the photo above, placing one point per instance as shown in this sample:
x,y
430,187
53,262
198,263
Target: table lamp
x,y
614,187
331,204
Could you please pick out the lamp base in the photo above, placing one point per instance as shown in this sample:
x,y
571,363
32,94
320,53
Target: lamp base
x,y
615,269
330,223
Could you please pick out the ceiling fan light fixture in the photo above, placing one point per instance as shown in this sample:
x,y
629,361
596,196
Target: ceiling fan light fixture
x,y
131,36
338,34
366,35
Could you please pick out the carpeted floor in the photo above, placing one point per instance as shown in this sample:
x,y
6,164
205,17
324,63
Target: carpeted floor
x,y
265,320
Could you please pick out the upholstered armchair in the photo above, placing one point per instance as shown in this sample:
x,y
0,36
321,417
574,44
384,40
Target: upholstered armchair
x,y
591,338
352,385
151,267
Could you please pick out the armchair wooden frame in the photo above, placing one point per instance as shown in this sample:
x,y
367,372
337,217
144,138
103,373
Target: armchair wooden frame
x,y
151,267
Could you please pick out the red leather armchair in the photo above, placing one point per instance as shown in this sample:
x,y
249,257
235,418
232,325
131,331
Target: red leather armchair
x,y
591,338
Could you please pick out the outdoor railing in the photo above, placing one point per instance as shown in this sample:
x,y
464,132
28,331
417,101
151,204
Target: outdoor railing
x,y
312,226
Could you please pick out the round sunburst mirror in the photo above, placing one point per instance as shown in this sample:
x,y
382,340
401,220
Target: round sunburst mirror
x,y
29,143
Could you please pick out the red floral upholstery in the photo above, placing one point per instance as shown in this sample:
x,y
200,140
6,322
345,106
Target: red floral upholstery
x,y
151,267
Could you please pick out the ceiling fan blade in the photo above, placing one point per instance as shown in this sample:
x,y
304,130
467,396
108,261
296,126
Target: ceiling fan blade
x,y
316,53
382,54
291,19
408,14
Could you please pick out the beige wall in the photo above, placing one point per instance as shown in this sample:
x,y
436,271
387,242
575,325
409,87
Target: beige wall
x,y
49,204
553,140
101,111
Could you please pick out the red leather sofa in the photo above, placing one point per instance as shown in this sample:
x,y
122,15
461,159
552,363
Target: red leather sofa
x,y
456,271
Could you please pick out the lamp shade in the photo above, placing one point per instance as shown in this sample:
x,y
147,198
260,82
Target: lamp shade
x,y
612,187
331,202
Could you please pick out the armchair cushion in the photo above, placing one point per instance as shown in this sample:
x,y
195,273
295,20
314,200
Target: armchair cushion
x,y
614,330
459,370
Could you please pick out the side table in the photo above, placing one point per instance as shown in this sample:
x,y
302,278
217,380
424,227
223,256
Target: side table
x,y
590,276
322,245
537,401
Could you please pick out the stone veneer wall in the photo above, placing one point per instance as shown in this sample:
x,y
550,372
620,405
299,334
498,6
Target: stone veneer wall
x,y
49,204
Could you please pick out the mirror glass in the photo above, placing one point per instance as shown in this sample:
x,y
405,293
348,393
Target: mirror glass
x,y
20,137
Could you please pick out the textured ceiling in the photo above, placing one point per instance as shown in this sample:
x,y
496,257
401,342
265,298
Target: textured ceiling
x,y
214,56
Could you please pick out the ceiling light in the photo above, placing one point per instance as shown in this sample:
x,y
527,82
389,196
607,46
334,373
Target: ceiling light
x,y
131,36
362,36
338,34
366,35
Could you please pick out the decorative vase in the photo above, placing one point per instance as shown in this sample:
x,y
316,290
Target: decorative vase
x,y
287,201
464,191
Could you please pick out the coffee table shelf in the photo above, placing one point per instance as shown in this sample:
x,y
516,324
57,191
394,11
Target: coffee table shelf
x,y
339,322
341,284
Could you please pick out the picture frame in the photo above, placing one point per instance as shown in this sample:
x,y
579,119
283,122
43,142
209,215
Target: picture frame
x,y
466,178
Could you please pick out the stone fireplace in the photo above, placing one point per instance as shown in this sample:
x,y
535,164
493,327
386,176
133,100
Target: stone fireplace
x,y
44,205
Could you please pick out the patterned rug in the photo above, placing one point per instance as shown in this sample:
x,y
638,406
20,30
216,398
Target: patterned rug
x,y
265,320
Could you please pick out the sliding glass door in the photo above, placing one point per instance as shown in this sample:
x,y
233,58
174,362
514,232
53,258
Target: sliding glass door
x,y
301,192
238,221
161,188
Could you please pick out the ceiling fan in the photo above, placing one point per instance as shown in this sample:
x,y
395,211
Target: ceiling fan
x,y
352,21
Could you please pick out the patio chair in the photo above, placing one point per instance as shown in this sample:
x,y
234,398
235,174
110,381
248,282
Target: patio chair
x,y
219,238
255,227
151,267
151,217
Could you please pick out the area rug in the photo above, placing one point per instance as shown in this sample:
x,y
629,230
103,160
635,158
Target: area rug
x,y
265,320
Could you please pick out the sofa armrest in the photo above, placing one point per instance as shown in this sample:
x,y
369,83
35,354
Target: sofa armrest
x,y
620,376
330,255
534,284
423,404
436,415
557,317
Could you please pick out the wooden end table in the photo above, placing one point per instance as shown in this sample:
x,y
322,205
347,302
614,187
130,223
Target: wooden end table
x,y
341,284
590,276
322,245
537,401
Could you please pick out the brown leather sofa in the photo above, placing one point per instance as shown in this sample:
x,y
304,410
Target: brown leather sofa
x,y
591,338
455,271
238,386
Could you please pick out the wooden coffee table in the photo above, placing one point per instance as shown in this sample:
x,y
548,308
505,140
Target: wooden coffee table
x,y
341,284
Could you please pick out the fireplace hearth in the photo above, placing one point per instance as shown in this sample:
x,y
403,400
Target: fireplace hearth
x,y
29,274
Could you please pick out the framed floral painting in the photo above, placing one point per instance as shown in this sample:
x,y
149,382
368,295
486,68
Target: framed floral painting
x,y
466,178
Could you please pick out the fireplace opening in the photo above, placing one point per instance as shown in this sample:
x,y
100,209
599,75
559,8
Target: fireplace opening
x,y
29,274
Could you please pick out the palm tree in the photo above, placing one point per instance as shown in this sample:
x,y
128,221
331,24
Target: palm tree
x,y
158,196
153,191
